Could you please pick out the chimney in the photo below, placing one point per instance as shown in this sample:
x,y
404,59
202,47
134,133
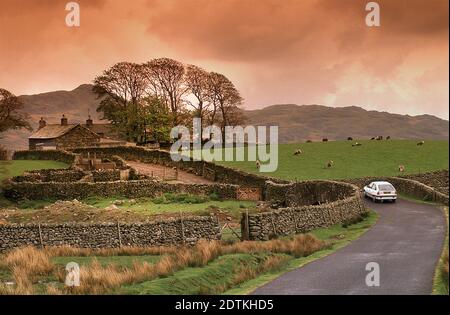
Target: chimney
x,y
63,120
89,122
42,123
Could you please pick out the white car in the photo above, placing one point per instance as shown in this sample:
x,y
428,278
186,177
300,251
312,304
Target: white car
x,y
380,191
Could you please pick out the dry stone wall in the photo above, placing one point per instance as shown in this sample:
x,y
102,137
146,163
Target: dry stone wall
x,y
129,189
309,205
208,170
55,155
51,175
188,230
438,180
407,187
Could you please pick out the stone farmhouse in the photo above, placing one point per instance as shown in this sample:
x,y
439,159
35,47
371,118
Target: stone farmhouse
x,y
65,136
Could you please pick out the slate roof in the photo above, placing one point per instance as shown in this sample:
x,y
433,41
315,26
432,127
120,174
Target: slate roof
x,y
52,131
101,128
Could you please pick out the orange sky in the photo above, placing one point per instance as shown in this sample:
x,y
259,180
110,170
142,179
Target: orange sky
x,y
275,51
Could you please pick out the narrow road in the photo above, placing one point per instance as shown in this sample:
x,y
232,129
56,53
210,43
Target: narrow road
x,y
406,242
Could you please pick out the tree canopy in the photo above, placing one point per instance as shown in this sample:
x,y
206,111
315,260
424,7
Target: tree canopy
x,y
11,116
157,95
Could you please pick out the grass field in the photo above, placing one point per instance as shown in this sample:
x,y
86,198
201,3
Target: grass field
x,y
15,168
197,205
111,209
372,158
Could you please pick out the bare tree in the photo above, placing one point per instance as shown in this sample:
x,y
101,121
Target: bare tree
x,y
226,100
197,80
166,81
10,115
197,84
124,82
122,88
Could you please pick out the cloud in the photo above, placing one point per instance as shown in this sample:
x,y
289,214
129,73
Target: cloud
x,y
298,51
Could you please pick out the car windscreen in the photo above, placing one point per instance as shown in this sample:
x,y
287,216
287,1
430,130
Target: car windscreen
x,y
386,187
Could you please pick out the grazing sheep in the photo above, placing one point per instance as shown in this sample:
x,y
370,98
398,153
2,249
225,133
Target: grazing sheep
x,y
325,139
298,152
356,144
421,143
373,138
308,141
388,137
330,164
401,168
379,138
258,164
350,139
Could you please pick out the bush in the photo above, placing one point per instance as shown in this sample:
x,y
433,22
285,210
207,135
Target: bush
x,y
215,197
355,220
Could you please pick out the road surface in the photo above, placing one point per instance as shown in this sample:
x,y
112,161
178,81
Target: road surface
x,y
406,242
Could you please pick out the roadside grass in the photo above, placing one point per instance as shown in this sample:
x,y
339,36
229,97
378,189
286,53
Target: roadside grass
x,y
125,261
440,280
336,235
372,158
17,167
418,200
214,278
119,272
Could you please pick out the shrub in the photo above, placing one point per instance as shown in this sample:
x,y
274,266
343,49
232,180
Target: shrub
x,y
215,197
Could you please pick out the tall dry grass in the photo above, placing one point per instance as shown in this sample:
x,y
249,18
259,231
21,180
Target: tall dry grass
x,y
68,251
300,246
27,264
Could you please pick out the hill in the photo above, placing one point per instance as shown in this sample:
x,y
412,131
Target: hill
x,y
299,123
296,123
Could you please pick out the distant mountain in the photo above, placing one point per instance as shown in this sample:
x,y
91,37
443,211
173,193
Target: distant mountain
x,y
296,123
299,123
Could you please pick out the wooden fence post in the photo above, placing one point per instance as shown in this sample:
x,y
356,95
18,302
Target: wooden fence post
x,y
182,227
247,225
40,235
273,223
295,221
119,234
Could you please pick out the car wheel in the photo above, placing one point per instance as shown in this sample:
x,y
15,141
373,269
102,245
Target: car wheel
x,y
393,200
